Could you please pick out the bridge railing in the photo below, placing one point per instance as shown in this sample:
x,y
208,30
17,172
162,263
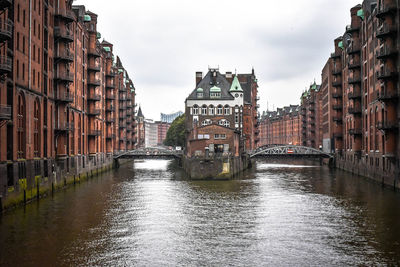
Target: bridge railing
x,y
290,150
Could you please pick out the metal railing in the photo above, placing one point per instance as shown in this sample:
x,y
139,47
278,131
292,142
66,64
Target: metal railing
x,y
6,27
5,112
5,64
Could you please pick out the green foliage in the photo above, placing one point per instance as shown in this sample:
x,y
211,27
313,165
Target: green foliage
x,y
176,133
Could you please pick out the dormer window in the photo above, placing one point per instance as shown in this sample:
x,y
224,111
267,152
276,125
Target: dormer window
x,y
215,92
199,93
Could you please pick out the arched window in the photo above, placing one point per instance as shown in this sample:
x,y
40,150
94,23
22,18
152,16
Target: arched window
x,y
227,110
224,122
204,110
36,129
219,110
21,127
211,110
206,122
195,110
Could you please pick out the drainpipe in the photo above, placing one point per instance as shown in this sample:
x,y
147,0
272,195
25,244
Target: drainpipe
x,y
30,44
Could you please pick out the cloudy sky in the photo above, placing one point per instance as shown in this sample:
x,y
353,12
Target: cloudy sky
x,y
162,43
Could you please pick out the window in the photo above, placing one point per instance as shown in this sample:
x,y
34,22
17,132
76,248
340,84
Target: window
x,y
36,127
215,95
17,40
226,110
206,122
219,136
204,110
23,44
21,127
18,11
199,95
17,69
211,110
219,110
23,71
23,19
224,123
195,110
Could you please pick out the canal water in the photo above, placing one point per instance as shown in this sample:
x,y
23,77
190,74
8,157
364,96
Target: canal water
x,y
147,214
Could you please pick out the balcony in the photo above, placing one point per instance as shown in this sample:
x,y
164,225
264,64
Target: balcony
x,y
122,125
338,135
355,131
386,30
5,112
64,35
6,29
384,95
110,96
5,65
93,112
64,76
94,82
67,15
110,136
94,97
386,74
110,108
336,55
94,133
353,49
110,85
386,52
122,89
354,80
110,120
337,106
354,65
93,52
354,95
122,107
93,67
65,97
350,28
122,97
387,125
337,119
63,126
337,94
111,74
386,11
5,4
128,114
336,72
354,110
337,83
64,55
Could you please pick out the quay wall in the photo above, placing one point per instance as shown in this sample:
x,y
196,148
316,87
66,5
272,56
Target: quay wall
x,y
224,167
388,177
47,176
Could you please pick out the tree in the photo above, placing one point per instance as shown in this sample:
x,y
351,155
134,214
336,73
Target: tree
x,y
176,133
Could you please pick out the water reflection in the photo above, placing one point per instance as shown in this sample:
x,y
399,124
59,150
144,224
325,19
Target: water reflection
x,y
147,213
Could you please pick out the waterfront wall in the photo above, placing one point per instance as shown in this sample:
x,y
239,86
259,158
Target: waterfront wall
x,y
224,167
43,177
388,176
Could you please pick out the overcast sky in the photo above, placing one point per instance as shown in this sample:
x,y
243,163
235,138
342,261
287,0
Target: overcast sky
x,y
162,43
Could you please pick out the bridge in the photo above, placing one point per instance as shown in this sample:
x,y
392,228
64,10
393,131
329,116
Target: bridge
x,y
289,151
148,154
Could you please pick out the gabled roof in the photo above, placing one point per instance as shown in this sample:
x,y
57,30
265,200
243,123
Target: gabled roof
x,y
211,82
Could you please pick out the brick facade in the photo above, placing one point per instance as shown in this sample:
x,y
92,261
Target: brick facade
x,y
60,90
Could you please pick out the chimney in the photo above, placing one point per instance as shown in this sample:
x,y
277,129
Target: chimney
x,y
199,77
229,76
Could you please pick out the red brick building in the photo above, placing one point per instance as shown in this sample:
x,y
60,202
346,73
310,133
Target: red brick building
x,y
60,87
355,112
281,127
